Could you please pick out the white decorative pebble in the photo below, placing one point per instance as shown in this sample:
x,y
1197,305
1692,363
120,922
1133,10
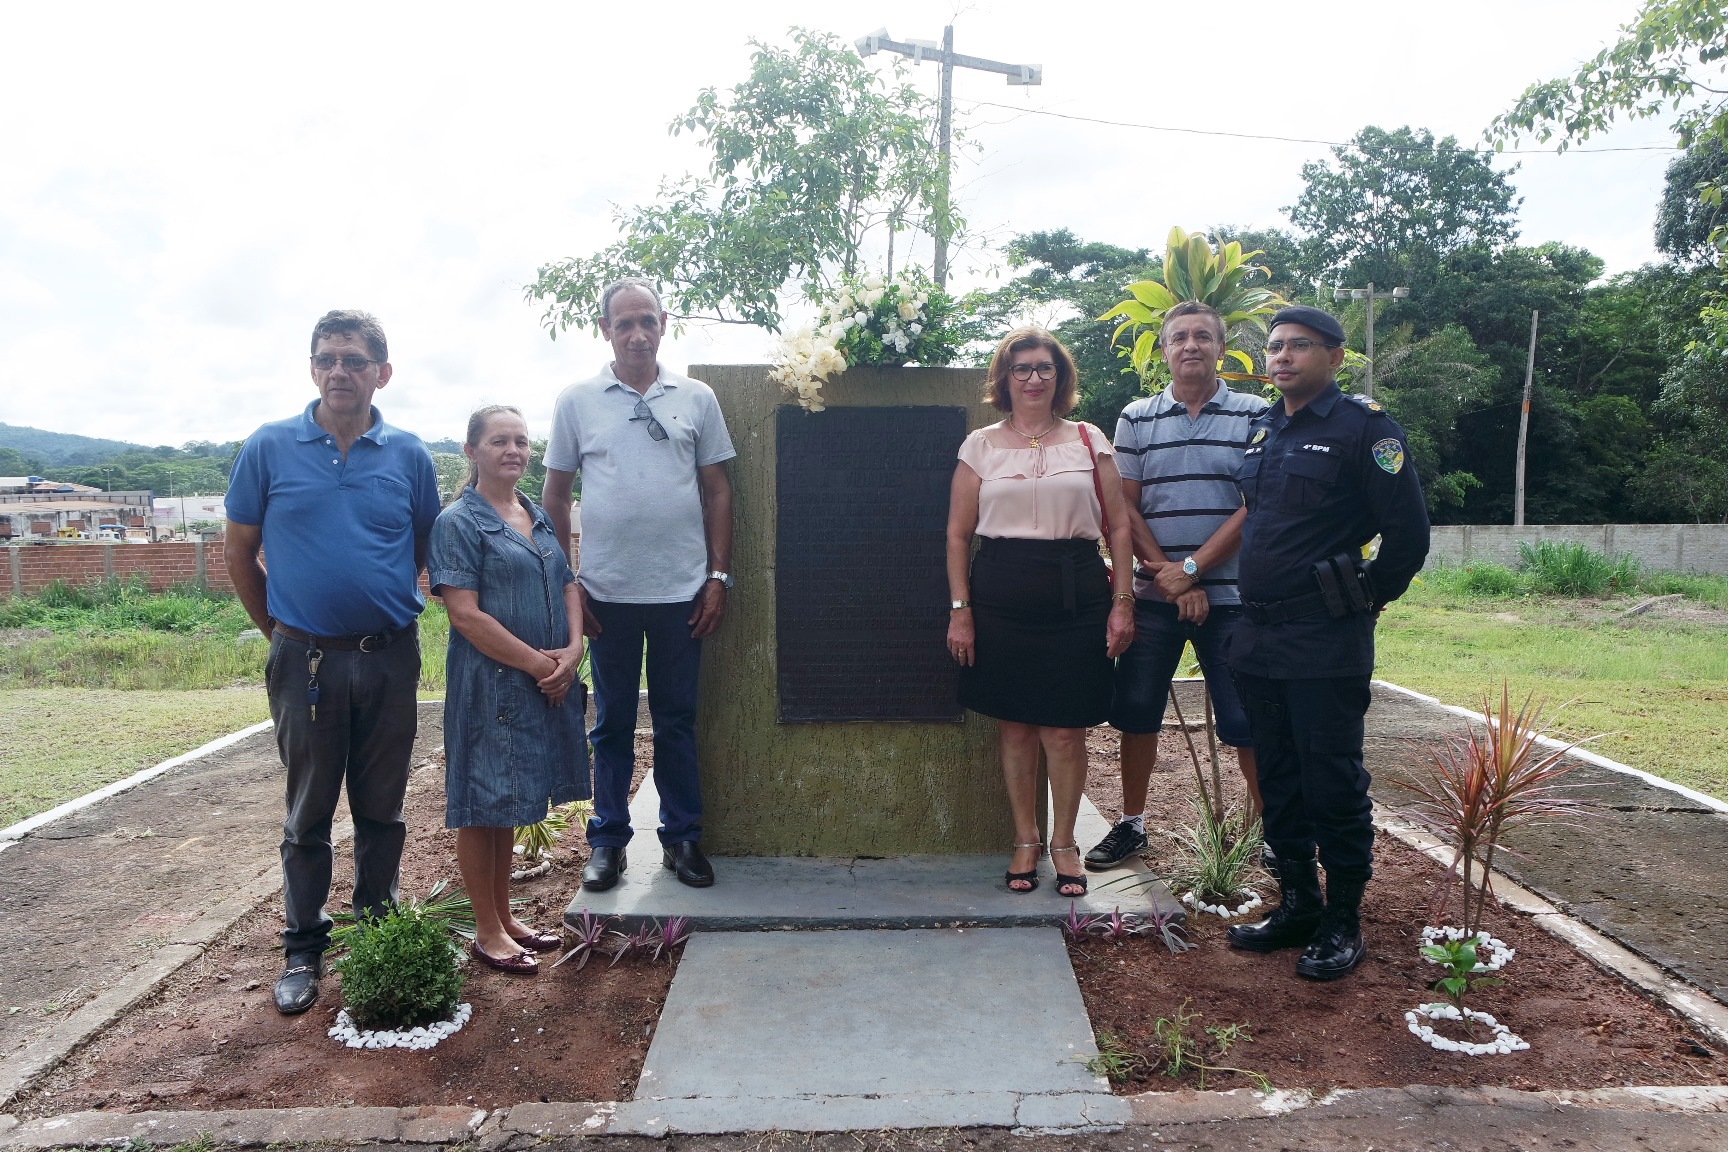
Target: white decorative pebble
x,y
1252,902
1504,1041
1491,954
425,1036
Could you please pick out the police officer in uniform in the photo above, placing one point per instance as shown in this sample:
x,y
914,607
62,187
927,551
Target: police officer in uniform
x,y
1323,475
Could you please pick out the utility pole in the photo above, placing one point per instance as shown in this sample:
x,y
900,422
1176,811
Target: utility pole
x,y
1371,296
1524,427
919,51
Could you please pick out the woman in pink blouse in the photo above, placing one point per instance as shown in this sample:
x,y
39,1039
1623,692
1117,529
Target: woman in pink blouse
x,y
1037,616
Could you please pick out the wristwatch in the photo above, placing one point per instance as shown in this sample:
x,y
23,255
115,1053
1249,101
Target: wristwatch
x,y
725,578
1191,569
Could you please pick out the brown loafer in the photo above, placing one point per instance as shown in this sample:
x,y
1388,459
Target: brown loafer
x,y
519,964
539,942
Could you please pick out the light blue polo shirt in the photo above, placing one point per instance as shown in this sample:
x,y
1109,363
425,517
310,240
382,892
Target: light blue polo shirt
x,y
339,534
642,536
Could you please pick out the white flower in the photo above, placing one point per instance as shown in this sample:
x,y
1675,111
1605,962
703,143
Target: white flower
x,y
915,328
870,297
908,310
844,304
874,281
861,316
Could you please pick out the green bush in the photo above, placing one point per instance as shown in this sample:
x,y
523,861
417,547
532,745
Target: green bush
x,y
1571,569
1705,588
1490,580
400,971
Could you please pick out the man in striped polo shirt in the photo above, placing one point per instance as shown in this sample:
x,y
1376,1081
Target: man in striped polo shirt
x,y
1178,453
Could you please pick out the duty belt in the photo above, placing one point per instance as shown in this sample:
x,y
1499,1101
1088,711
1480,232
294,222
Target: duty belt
x,y
372,643
1278,611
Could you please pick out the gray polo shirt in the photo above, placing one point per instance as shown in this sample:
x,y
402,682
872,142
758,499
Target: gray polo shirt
x,y
642,538
1187,472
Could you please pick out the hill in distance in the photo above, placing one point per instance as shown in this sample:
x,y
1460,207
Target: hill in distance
x,y
60,448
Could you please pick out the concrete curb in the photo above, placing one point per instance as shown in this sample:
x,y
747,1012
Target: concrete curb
x,y
1067,1112
1607,954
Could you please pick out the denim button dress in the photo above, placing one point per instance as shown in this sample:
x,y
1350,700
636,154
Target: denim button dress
x,y
508,753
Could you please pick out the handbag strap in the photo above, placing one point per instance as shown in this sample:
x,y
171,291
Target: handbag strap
x,y
1097,484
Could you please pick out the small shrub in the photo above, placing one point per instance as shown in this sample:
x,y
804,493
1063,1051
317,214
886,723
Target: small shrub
x,y
1219,857
1570,569
400,971
1490,580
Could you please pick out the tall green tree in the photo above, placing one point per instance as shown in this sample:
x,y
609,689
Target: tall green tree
x,y
1390,206
813,151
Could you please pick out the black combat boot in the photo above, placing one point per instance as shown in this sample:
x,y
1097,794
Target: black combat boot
x,y
1337,946
1292,923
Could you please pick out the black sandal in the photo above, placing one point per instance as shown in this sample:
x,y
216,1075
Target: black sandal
x,y
1068,881
1030,879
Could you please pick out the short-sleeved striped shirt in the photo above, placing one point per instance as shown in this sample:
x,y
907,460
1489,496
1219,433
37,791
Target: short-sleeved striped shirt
x,y
1187,472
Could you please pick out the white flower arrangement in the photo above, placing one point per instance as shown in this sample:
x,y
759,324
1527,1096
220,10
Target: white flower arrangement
x,y
870,321
425,1036
1492,954
1224,912
1504,1042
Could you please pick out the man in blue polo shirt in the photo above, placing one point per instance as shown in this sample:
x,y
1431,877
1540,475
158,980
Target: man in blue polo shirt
x,y
1178,452
341,505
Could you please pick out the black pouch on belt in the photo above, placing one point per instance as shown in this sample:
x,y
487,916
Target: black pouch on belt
x,y
1344,585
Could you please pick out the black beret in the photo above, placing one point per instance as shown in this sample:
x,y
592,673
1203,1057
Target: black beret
x,y
1321,321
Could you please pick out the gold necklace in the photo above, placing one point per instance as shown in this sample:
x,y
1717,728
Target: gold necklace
x,y
1034,440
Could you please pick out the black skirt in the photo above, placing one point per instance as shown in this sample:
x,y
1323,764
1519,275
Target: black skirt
x,y
1040,609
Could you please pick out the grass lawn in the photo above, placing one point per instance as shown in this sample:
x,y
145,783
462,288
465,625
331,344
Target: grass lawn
x,y
57,744
1656,691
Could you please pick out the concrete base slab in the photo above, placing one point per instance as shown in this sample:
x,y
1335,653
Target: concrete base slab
x,y
776,892
832,1030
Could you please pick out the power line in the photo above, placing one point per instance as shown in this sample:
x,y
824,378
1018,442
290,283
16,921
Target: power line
x,y
1300,139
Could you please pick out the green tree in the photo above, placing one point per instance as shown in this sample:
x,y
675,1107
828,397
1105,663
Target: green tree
x,y
1390,206
1685,220
15,463
1427,385
810,153
1668,60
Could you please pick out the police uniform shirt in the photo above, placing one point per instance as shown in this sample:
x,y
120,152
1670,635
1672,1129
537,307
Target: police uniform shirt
x,y
1323,481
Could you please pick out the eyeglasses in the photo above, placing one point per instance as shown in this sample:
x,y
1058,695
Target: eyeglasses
x,y
1273,347
325,362
1023,372
656,430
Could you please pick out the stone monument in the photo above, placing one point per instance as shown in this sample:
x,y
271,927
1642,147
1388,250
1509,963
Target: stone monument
x,y
828,723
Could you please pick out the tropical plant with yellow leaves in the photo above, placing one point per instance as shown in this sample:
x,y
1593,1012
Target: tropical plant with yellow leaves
x,y
1194,270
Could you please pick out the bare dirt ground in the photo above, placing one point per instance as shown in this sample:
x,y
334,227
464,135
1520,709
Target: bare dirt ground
x,y
1586,1029
210,1039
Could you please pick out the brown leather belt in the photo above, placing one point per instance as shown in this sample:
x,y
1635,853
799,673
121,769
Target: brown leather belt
x,y
373,643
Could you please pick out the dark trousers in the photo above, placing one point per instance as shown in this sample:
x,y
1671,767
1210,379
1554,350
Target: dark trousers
x,y
364,734
674,665
1308,741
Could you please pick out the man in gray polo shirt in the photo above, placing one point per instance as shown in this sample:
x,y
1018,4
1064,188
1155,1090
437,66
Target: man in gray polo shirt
x,y
1178,452
656,546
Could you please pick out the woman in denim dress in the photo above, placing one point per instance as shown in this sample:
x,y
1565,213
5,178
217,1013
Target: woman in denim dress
x,y
513,715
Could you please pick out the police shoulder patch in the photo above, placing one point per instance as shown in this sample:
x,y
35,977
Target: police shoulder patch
x,y
1389,454
1259,435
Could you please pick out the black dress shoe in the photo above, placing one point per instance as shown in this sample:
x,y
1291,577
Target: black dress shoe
x,y
605,865
687,862
297,987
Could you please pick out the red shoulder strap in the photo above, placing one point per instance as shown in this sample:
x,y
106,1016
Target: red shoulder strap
x,y
1097,483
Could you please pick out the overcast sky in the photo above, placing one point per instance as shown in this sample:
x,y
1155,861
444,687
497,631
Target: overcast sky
x,y
186,188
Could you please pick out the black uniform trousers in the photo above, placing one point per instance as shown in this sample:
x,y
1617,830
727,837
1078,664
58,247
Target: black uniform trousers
x,y
1308,741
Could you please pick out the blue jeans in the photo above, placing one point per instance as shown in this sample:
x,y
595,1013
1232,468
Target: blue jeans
x,y
674,662
1143,672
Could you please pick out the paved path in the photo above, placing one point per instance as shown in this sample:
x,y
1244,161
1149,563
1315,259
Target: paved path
x,y
1649,869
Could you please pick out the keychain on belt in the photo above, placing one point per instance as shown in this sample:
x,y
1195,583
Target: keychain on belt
x,y
314,657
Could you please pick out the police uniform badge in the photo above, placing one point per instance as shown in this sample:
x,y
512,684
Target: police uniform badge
x,y
1389,454
1259,435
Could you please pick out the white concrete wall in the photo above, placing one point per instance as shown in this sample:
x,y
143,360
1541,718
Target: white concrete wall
x,y
1670,547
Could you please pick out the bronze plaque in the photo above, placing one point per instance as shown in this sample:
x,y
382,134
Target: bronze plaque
x,y
861,612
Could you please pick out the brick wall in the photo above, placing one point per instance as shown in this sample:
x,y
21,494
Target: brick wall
x,y
26,569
